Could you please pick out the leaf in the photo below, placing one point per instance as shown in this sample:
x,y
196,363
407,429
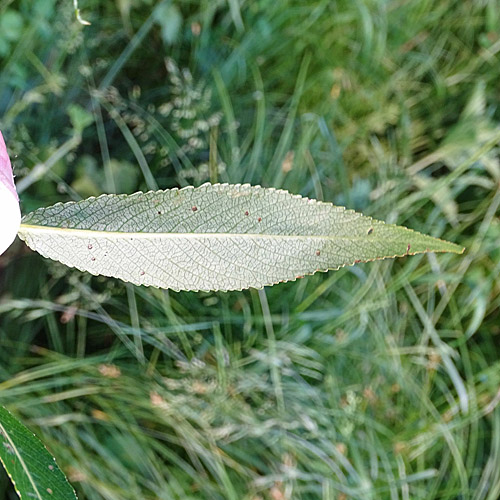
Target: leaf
x,y
214,237
30,466
12,25
80,118
170,19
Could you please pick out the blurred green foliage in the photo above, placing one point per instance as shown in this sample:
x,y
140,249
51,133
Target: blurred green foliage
x,y
376,381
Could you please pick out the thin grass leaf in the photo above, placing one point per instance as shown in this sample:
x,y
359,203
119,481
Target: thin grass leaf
x,y
29,465
215,237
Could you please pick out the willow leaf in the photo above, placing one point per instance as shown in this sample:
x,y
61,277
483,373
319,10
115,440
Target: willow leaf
x,y
214,237
30,466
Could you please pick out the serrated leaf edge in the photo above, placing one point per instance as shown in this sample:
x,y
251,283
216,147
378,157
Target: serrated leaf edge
x,y
458,250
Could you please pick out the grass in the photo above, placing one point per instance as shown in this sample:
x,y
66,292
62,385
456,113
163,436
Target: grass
x,y
377,381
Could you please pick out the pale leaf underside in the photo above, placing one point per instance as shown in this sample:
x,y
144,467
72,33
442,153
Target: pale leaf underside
x,y
215,237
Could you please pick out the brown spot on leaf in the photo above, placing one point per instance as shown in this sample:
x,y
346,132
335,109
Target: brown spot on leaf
x,y
89,246
318,253
92,259
408,248
370,231
357,261
194,209
159,212
143,273
259,219
247,213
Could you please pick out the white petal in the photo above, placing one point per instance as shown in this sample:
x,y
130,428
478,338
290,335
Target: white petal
x,y
10,218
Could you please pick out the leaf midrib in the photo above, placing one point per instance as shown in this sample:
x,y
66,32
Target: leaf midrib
x,y
92,233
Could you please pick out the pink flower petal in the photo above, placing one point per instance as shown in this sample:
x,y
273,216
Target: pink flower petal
x,y
6,177
10,213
